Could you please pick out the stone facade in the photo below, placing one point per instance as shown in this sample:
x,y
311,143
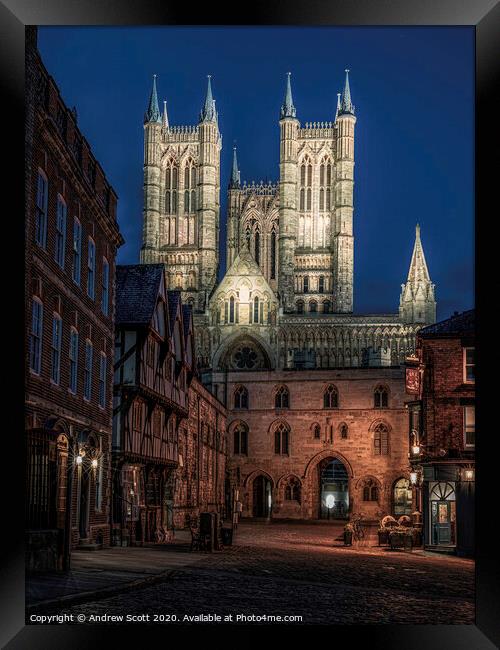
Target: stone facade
x,y
284,312
318,432
200,481
70,247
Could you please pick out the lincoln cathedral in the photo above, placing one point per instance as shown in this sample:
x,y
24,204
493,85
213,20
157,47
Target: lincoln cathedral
x,y
315,393
286,299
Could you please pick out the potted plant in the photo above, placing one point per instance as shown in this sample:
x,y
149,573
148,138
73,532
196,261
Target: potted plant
x,y
348,531
383,535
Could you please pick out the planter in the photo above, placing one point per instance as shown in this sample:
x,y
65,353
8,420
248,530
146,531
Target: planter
x,y
383,537
401,540
347,538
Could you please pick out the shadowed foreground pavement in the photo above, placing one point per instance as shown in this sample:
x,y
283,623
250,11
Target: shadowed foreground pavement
x,y
292,569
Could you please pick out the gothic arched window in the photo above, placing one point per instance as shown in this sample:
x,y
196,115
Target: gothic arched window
x,y
302,199
316,431
240,439
256,309
381,440
326,306
281,439
282,398
241,398
231,309
380,397
292,489
313,306
257,246
344,431
321,284
273,254
300,306
370,490
306,284
330,397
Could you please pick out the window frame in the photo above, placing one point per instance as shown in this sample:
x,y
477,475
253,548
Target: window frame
x,y
56,348
36,336
61,227
469,365
87,372
468,427
41,211
91,268
103,369
73,361
105,287
76,270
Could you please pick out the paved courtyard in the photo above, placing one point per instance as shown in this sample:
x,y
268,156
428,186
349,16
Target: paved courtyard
x,y
285,569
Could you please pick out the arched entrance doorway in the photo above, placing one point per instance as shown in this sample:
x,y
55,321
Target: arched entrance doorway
x,y
333,489
402,497
443,514
262,496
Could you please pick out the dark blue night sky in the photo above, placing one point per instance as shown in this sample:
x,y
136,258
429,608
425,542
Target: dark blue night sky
x,y
413,89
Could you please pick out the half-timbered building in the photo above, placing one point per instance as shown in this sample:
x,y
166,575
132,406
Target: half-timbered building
x,y
153,435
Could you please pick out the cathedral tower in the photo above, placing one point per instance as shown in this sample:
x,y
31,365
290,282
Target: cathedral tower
x,y
289,127
233,212
417,303
342,231
181,199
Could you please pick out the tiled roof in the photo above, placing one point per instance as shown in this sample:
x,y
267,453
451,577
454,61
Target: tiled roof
x,y
174,298
137,287
458,324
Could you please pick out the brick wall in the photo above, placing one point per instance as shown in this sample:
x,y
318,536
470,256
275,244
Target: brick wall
x,y
51,134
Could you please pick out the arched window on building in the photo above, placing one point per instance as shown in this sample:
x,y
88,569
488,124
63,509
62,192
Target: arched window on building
x,y
381,440
257,246
321,284
306,284
300,306
402,497
240,439
344,431
256,309
381,397
281,439
273,254
241,398
292,489
231,309
282,398
370,490
313,306
330,397
316,431
327,306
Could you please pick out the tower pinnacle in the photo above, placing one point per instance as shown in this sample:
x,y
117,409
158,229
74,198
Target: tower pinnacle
x,y
417,302
346,107
234,183
288,109
337,111
153,112
165,115
208,112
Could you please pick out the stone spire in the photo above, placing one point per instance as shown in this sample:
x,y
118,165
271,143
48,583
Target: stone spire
x,y
208,112
346,106
165,116
288,109
417,302
153,112
338,106
234,183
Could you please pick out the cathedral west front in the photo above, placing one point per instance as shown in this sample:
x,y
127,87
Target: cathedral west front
x,y
317,426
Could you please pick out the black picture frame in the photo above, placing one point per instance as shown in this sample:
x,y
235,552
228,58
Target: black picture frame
x,y
14,15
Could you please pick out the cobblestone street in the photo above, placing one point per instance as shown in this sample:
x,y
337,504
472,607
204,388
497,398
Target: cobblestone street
x,y
302,570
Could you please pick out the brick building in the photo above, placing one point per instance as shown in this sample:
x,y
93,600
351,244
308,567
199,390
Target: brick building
x,y
169,451
70,246
442,432
318,445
